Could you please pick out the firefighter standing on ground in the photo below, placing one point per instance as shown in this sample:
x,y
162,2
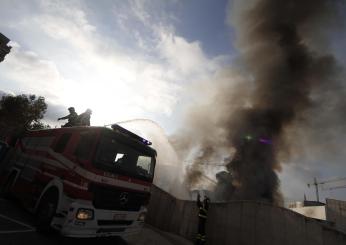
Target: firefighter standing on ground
x,y
202,219
72,118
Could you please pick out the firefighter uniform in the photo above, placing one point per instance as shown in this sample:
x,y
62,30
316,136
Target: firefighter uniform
x,y
202,219
84,118
72,118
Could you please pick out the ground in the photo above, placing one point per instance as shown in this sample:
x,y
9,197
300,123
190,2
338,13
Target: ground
x,y
16,227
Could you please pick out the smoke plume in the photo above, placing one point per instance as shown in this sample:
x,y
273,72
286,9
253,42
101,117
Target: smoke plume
x,y
249,119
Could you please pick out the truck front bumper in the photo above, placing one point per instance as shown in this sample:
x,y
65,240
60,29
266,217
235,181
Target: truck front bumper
x,y
104,223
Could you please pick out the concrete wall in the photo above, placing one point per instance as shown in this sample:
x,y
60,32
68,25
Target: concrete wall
x,y
240,222
173,215
336,213
316,212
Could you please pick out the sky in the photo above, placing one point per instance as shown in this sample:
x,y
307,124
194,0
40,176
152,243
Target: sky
x,y
126,60
122,59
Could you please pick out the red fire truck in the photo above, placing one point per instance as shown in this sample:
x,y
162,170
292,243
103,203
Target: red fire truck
x,y
82,181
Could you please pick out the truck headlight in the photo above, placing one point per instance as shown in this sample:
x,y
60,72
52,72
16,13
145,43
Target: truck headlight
x,y
85,214
141,216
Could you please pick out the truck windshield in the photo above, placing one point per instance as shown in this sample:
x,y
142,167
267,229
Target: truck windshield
x,y
120,158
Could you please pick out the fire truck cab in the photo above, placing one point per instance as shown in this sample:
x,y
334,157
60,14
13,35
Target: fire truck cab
x,y
82,181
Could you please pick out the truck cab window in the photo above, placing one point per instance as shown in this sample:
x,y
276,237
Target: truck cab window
x,y
144,165
119,157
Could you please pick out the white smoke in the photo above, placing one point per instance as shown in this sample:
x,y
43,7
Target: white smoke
x,y
169,171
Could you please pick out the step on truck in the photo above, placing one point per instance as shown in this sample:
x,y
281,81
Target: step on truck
x,y
82,181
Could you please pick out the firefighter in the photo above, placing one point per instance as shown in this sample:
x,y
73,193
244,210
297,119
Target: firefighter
x,y
72,118
84,118
202,219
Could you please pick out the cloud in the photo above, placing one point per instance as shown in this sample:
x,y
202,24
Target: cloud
x,y
78,61
65,21
29,72
55,111
187,58
104,63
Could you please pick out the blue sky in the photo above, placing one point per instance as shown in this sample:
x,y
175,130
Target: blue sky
x,y
130,59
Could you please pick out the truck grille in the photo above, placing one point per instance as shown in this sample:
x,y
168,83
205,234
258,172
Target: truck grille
x,y
111,198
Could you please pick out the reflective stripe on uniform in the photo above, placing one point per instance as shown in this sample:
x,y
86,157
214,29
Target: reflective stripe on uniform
x,y
202,216
202,213
200,237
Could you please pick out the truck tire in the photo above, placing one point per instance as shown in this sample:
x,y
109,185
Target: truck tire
x,y
46,210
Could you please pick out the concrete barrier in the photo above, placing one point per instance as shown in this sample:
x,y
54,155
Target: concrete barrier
x,y
336,213
240,222
170,214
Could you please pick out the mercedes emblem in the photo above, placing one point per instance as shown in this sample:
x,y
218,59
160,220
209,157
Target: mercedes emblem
x,y
124,198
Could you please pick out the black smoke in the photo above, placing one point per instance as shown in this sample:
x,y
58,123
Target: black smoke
x,y
283,68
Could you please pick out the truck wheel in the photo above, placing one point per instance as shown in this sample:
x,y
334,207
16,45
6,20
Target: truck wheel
x,y
46,210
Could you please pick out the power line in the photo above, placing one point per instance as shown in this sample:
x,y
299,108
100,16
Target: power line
x,y
332,180
337,187
321,183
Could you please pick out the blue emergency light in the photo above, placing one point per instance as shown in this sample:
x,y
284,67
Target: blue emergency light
x,y
266,141
122,130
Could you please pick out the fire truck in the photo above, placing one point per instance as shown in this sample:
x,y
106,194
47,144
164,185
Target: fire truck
x,y
82,181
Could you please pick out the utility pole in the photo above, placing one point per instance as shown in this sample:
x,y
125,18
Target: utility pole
x,y
316,187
